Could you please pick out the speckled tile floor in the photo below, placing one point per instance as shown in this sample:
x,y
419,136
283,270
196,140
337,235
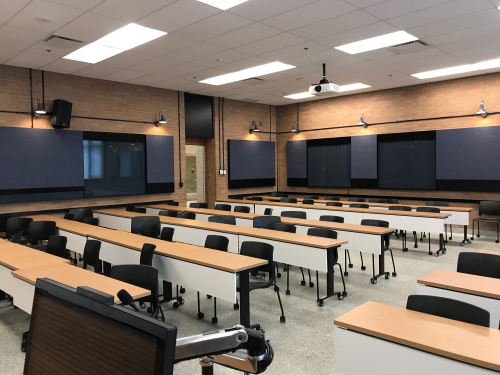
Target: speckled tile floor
x,y
305,343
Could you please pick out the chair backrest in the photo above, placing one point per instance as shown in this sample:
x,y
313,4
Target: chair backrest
x,y
282,227
356,200
17,224
223,207
145,277
322,232
41,230
428,209
392,201
334,204
198,205
359,205
311,197
138,222
244,209
17,238
294,214
399,208
266,222
91,255
223,219
437,203
150,230
186,215
307,201
375,223
172,203
91,221
489,208
487,265
3,222
334,219
130,208
69,216
80,213
268,211
57,246
288,200
216,242
377,200
147,253
255,198
282,195
169,213
332,198
274,194
167,234
140,210
260,250
449,308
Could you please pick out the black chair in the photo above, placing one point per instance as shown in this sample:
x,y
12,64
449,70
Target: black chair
x,y
130,208
328,233
432,210
243,209
275,194
222,219
17,238
392,201
147,253
56,245
488,208
268,211
356,200
288,200
91,220
172,203
449,308
223,207
91,255
220,243
294,214
3,222
400,208
311,197
40,231
487,265
17,224
138,222
377,200
359,205
442,204
264,251
334,204
332,198
186,215
145,277
289,228
150,230
140,210
168,213
167,234
198,205
282,195
80,213
307,201
380,224
69,216
255,198
401,233
266,222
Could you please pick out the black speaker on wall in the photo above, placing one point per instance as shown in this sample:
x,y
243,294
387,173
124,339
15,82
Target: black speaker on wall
x,y
61,113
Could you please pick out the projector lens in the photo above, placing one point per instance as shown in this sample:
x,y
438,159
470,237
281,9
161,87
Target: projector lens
x,y
317,88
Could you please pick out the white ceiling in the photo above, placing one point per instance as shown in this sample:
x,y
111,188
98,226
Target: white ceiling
x,y
298,32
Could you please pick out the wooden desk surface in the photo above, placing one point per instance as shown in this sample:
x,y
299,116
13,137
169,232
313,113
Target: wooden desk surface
x,y
338,226
205,211
492,252
463,282
460,341
69,225
346,209
74,276
16,257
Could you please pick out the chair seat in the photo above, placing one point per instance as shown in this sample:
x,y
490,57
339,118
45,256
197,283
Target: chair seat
x,y
482,219
255,282
39,247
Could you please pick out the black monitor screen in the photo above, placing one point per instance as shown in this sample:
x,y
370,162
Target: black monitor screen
x,y
329,162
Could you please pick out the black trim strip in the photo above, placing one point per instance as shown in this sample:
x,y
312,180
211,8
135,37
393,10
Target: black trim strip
x,y
160,188
41,190
490,186
296,182
263,182
114,137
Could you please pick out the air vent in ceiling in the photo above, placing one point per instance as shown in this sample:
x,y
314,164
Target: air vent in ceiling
x,y
248,100
415,46
252,81
55,41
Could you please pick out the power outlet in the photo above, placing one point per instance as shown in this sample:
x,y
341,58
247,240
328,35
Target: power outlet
x,y
224,171
221,172
181,184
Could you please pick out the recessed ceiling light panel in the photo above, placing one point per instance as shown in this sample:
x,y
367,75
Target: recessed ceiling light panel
x,y
382,41
445,71
129,37
223,4
300,95
93,53
256,71
354,86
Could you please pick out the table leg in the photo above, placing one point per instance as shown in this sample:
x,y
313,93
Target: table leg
x,y
442,246
244,298
329,279
381,263
106,268
466,239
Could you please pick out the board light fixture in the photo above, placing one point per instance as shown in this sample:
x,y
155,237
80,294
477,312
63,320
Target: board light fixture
x,y
40,108
241,75
161,120
382,41
483,65
481,110
295,129
255,128
362,122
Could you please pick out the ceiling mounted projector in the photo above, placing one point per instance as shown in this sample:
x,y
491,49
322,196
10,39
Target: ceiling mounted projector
x,y
324,87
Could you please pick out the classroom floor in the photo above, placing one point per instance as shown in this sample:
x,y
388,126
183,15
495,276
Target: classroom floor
x,y
305,343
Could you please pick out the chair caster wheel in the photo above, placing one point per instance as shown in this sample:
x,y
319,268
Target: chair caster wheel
x,y
278,275
346,273
405,250
236,306
149,310
496,241
182,301
421,240
340,296
430,252
444,251
320,303
387,276
462,244
311,285
363,268
182,290
302,283
450,238
142,305
416,245
276,289
209,296
350,266
287,292
176,305
200,315
344,293
394,274
215,320
436,254
282,319
373,280
478,235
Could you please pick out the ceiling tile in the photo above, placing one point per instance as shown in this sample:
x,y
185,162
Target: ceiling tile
x,y
7,54
129,10
79,4
147,80
302,49
355,35
376,54
96,71
316,12
19,39
125,60
195,52
58,14
190,86
201,75
286,73
423,65
123,75
89,27
336,25
395,8
429,52
166,44
315,57
227,57
155,65
213,26
180,70
177,15
245,35
170,83
364,3
269,44
461,35
258,10
42,49
477,53
10,8
65,66
30,60
243,64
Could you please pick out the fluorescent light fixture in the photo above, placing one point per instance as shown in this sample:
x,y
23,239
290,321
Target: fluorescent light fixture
x,y
223,4
118,41
489,64
256,71
382,41
93,53
354,86
300,95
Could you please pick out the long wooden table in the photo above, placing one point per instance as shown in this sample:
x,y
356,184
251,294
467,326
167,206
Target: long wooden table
x,y
476,290
396,340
